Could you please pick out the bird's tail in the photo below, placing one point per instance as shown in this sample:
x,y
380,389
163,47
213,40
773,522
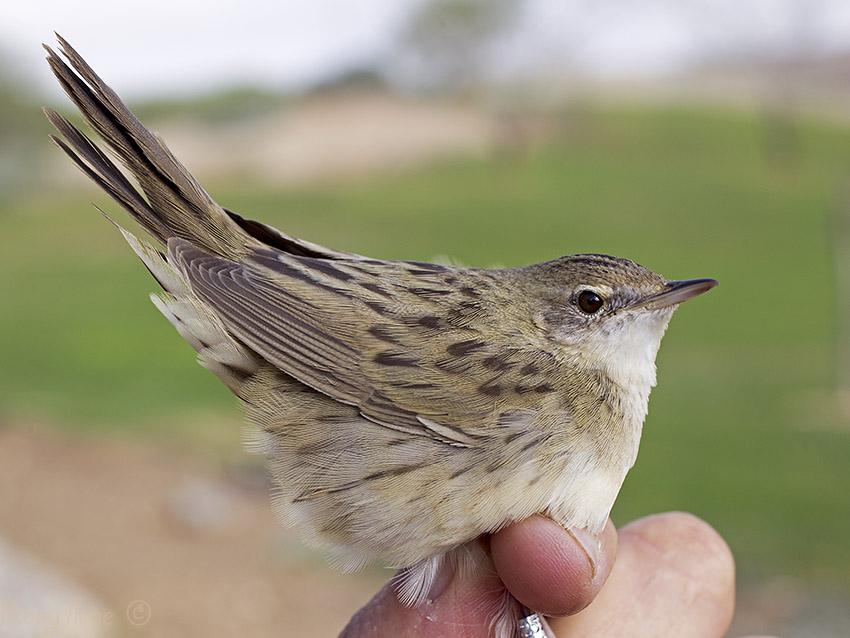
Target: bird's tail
x,y
174,204
170,206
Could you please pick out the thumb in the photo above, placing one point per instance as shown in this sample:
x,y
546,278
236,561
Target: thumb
x,y
552,570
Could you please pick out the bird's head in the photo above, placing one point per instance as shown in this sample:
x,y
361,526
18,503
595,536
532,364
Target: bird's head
x,y
608,313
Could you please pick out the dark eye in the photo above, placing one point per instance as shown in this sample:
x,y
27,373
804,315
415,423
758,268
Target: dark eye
x,y
589,302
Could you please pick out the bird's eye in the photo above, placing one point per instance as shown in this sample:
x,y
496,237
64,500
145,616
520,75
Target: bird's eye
x,y
589,302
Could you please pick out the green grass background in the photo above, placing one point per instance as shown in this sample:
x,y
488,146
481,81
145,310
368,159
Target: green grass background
x,y
743,429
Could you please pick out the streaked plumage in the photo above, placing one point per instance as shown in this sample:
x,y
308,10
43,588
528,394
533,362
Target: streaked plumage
x,y
406,408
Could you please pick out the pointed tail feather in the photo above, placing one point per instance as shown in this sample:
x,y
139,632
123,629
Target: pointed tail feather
x,y
174,204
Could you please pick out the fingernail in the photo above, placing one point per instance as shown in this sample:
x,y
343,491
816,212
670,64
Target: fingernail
x,y
590,545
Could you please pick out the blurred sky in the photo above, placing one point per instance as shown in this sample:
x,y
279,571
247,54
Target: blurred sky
x,y
185,46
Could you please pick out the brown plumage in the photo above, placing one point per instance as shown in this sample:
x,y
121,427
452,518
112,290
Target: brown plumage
x,y
406,407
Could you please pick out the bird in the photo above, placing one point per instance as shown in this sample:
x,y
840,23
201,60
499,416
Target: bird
x,y
406,408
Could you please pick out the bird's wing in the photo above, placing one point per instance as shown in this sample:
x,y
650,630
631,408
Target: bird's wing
x,y
364,333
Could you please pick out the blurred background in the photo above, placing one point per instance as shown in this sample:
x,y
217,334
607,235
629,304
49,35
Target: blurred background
x,y
701,139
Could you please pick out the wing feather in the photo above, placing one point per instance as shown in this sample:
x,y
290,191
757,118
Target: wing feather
x,y
386,349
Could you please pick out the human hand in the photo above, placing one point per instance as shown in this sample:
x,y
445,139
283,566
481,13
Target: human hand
x,y
674,576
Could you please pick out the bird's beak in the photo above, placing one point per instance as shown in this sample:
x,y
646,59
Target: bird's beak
x,y
676,293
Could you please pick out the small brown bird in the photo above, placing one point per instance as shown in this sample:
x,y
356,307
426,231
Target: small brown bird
x,y
406,407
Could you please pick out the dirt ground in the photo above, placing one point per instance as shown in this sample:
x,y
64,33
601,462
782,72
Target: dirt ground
x,y
330,137
171,544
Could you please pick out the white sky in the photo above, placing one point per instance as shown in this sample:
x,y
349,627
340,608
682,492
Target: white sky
x,y
167,46
164,46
